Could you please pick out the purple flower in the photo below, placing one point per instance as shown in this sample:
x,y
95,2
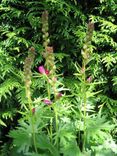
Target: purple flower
x,y
47,101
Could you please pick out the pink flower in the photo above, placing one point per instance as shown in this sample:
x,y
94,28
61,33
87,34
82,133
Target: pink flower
x,y
42,70
47,101
89,79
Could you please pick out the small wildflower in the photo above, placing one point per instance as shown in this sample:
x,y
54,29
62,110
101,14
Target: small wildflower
x,y
47,101
89,79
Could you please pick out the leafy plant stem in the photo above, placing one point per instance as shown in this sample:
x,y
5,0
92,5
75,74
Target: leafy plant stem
x,y
84,102
32,123
56,122
51,132
48,91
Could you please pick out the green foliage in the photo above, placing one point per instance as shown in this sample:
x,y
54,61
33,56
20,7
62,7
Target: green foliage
x,y
20,29
7,86
109,61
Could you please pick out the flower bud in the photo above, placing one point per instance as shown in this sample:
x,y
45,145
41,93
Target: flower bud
x,y
47,101
41,69
89,79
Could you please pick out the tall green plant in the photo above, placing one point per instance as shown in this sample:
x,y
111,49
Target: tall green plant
x,y
21,28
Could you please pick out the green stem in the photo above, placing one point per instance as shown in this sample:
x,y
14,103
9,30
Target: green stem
x,y
51,132
56,123
84,103
56,114
34,137
48,91
32,123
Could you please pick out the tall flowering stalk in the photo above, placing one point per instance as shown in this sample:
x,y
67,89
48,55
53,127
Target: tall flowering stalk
x,y
27,73
27,78
45,29
51,67
86,55
49,55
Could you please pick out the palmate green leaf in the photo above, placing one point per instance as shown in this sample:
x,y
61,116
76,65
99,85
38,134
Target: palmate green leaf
x,y
65,135
97,128
22,140
22,137
44,143
71,149
68,145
